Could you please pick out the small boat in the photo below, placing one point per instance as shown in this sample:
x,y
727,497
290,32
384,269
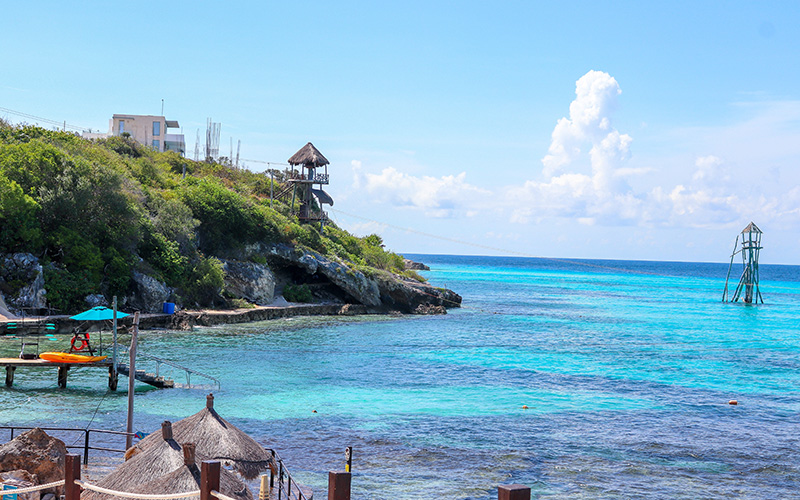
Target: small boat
x,y
65,357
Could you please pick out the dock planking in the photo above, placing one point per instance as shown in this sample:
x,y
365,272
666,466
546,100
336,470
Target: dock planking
x,y
11,365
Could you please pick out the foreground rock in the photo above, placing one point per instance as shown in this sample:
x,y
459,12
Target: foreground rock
x,y
20,479
39,454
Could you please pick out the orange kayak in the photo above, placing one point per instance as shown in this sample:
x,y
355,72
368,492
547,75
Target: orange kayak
x,y
65,357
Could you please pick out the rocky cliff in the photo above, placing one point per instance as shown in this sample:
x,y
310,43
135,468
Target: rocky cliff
x,y
22,285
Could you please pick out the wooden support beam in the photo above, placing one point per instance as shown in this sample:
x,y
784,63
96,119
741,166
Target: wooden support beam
x,y
72,471
10,375
513,492
339,485
62,376
209,479
113,378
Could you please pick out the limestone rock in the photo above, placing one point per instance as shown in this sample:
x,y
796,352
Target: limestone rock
x,y
353,283
250,281
416,266
149,294
22,273
37,453
96,299
21,479
407,296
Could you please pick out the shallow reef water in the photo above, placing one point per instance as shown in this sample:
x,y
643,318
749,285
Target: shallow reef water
x,y
580,379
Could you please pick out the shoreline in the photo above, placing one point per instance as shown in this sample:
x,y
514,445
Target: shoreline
x,y
187,319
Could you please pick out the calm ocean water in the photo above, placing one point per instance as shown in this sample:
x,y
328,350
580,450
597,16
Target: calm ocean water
x,y
626,369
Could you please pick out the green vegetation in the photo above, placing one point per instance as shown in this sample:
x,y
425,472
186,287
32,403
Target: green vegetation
x,y
297,293
96,211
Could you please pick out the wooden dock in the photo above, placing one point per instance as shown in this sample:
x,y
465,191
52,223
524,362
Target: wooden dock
x,y
11,365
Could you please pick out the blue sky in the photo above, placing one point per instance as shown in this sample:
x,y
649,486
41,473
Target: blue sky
x,y
630,130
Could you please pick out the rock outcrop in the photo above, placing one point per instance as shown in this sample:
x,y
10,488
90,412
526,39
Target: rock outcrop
x,y
249,281
37,453
415,266
149,294
22,278
409,296
354,284
382,290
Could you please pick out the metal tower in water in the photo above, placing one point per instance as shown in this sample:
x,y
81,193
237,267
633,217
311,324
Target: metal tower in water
x,y
748,283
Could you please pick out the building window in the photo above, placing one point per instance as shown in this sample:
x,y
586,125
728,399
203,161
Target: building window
x,y
156,144
156,128
121,127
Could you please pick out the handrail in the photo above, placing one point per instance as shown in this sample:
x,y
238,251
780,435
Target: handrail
x,y
221,496
160,361
86,433
289,480
31,489
143,496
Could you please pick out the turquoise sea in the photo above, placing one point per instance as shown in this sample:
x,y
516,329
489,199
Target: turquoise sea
x,y
626,369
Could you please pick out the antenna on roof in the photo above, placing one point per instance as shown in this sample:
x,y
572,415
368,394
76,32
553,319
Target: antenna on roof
x,y
162,107
212,140
238,147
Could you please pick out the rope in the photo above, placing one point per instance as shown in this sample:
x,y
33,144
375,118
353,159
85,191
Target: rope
x,y
159,496
31,489
217,494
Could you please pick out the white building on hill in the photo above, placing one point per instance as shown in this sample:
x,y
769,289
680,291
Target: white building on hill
x,y
149,130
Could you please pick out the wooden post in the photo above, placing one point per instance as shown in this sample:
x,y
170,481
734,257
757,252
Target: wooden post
x,y
209,479
132,379
263,490
72,471
10,375
113,378
62,376
114,351
339,485
513,492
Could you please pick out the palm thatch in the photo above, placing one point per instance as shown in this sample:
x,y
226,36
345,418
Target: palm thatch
x,y
187,478
308,155
163,457
218,439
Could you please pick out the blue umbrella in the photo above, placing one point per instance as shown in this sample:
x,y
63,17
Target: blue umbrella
x,y
98,313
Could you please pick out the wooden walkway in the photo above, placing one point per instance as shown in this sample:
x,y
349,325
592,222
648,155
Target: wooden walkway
x,y
11,365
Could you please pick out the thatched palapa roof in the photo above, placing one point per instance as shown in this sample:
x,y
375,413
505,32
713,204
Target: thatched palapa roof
x,y
164,456
187,478
218,439
310,156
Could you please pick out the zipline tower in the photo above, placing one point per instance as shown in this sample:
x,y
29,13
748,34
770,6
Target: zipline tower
x,y
751,246
310,161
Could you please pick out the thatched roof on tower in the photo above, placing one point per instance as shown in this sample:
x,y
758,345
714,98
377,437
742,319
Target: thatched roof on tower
x,y
218,439
162,457
310,156
187,478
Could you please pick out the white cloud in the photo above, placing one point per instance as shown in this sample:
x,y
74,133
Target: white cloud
x,y
438,196
589,170
589,123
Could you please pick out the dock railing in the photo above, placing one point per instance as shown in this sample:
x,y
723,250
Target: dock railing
x,y
123,352
286,484
87,433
